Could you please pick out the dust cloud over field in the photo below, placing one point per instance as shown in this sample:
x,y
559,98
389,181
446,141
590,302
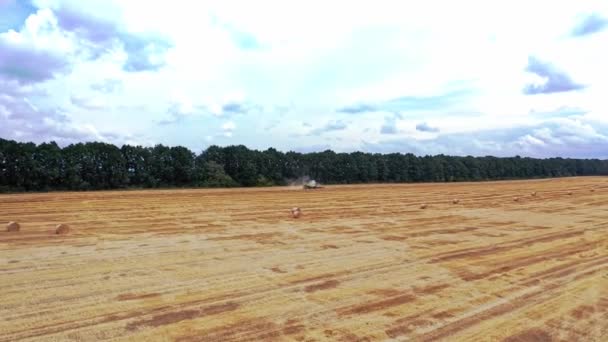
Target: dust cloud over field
x,y
361,263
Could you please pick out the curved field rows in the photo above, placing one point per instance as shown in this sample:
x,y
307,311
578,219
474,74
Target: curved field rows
x,y
363,263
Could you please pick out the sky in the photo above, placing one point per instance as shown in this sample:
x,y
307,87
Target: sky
x,y
475,78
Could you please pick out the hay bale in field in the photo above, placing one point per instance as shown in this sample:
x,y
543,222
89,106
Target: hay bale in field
x,y
592,190
296,212
455,201
13,226
423,206
534,194
569,192
516,199
62,229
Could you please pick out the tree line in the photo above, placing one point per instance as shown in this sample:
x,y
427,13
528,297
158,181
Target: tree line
x,y
97,166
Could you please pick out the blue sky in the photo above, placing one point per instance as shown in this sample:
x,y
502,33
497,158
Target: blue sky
x,y
466,77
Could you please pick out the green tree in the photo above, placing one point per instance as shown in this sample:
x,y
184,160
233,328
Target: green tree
x,y
183,165
213,175
31,167
138,162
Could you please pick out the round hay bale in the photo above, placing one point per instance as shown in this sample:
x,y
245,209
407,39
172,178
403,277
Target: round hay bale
x,y
534,193
456,201
423,206
592,190
516,199
296,212
62,229
13,226
569,192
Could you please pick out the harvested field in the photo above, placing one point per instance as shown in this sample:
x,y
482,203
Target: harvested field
x,y
362,263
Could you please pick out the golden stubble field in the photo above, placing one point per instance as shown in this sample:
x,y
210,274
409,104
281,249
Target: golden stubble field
x,y
362,263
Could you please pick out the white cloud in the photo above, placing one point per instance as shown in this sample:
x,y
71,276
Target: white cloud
x,y
228,126
228,129
208,68
90,103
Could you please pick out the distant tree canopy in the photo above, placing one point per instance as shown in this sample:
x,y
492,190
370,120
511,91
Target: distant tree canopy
x,y
95,166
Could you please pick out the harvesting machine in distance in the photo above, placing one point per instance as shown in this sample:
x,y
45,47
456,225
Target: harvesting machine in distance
x,y
312,184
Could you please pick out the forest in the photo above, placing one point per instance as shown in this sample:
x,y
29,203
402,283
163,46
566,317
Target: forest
x,y
99,166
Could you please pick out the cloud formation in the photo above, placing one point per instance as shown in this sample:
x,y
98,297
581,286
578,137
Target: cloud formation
x,y
90,103
145,53
228,128
180,109
424,127
96,30
563,136
107,86
593,23
38,52
23,121
100,35
553,79
408,103
238,107
74,70
331,126
27,65
358,108
389,126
